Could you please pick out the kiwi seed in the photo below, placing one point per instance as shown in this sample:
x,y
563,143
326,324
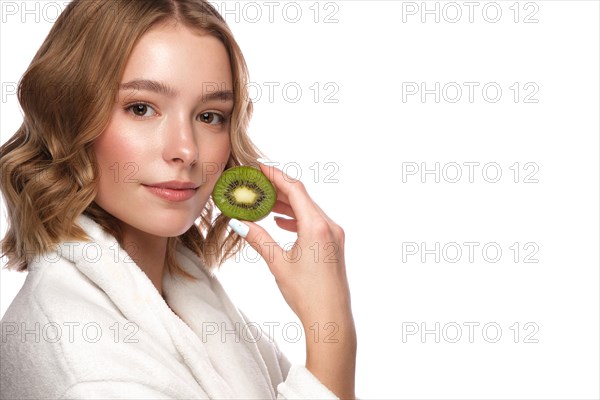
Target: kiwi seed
x,y
244,193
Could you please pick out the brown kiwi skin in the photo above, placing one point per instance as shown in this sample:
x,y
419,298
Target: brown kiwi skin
x,y
251,178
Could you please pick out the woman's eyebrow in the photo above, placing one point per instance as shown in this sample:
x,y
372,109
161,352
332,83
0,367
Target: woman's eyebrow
x,y
222,95
149,85
162,88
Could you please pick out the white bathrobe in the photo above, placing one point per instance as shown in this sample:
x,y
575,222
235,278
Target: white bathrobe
x,y
89,324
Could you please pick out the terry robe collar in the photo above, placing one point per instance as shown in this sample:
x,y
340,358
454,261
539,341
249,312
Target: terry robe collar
x,y
182,323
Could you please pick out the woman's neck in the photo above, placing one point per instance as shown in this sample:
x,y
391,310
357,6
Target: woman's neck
x,y
147,251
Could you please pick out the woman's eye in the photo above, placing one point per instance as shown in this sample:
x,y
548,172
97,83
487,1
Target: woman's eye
x,y
141,110
211,118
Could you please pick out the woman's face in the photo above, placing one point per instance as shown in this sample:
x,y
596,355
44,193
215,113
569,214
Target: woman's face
x,y
168,138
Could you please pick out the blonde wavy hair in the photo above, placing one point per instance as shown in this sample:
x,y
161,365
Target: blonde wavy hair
x,y
49,173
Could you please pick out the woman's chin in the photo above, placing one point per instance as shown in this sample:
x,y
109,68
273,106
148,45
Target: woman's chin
x,y
171,229
165,226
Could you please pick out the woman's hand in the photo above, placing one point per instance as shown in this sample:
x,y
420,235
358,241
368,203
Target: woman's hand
x,y
312,278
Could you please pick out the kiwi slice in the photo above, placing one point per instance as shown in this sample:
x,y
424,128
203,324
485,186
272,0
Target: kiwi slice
x,y
244,193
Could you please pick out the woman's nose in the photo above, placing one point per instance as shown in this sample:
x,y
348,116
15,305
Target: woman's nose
x,y
180,144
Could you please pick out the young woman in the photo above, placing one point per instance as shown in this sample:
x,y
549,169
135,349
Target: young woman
x,y
132,109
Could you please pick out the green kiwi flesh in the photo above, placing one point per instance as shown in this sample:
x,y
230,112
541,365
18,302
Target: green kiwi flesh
x,y
244,193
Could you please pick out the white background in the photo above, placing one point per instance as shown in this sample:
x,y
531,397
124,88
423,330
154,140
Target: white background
x,y
366,56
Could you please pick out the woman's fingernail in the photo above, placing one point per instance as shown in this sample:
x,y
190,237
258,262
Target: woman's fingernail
x,y
239,227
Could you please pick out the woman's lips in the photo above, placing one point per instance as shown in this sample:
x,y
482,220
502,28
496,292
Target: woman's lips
x,y
172,194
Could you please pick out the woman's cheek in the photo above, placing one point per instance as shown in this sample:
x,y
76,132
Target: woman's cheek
x,y
216,157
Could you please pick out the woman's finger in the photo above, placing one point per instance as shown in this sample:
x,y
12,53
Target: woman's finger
x,y
281,196
282,208
260,240
286,209
294,191
287,224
